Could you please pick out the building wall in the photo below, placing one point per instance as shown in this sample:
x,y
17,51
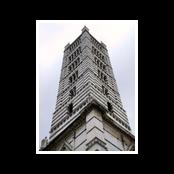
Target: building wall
x,y
93,133
84,61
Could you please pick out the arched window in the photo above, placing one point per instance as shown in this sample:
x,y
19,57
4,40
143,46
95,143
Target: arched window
x,y
106,92
77,52
70,108
102,76
104,67
74,77
99,55
70,79
109,107
101,65
73,92
98,73
94,51
103,89
98,62
105,78
76,74
75,63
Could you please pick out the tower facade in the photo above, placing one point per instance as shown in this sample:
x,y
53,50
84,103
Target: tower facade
x,y
89,114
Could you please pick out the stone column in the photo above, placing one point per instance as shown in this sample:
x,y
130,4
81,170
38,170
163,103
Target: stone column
x,y
95,132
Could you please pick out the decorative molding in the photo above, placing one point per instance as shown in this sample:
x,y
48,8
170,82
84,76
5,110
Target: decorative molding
x,y
96,141
93,118
113,144
80,144
94,128
67,146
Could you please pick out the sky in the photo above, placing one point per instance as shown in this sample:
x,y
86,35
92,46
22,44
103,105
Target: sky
x,y
51,38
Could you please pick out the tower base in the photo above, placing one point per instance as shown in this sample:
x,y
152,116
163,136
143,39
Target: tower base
x,y
93,131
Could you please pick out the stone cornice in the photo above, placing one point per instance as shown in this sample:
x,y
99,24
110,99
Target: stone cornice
x,y
96,141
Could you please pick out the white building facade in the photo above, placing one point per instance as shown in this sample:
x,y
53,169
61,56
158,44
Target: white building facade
x,y
89,114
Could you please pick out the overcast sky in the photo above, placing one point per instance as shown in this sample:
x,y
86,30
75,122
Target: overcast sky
x,y
52,36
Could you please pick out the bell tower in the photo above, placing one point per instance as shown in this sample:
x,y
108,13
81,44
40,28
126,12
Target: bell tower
x,y
89,115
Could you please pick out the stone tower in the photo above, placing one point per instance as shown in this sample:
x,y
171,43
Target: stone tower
x,y
89,114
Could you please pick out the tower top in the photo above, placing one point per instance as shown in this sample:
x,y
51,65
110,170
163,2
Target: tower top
x,y
85,28
103,44
67,45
